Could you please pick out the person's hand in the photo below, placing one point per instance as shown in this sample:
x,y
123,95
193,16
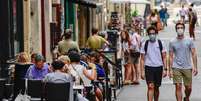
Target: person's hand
x,y
92,66
164,73
170,74
195,71
143,75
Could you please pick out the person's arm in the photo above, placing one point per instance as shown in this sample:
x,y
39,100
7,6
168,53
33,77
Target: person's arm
x,y
164,59
194,58
28,73
104,40
87,43
93,75
142,66
171,56
77,47
165,64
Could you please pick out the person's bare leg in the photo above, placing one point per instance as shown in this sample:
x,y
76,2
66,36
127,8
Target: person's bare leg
x,y
133,77
188,90
137,69
193,33
156,93
150,91
127,72
178,91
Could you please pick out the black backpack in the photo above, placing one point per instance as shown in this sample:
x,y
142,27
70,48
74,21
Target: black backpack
x,y
160,46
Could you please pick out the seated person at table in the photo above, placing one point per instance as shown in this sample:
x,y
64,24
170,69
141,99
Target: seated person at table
x,y
58,76
38,70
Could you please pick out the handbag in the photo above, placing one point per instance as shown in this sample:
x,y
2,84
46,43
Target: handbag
x,y
134,53
25,96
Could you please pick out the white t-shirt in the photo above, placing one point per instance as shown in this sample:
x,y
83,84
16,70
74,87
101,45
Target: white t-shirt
x,y
182,12
153,56
135,41
77,71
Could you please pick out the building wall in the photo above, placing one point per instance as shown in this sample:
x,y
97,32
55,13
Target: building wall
x,y
48,19
35,40
27,27
33,26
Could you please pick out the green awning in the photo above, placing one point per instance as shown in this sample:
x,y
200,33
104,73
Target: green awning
x,y
88,3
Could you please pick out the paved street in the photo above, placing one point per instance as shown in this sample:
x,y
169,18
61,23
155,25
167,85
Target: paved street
x,y
138,93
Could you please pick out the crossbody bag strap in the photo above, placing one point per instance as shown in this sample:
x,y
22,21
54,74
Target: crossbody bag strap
x,y
77,73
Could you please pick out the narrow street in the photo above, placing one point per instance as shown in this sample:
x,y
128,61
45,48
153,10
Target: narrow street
x,y
167,90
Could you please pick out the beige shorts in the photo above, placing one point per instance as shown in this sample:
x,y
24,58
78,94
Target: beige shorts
x,y
184,75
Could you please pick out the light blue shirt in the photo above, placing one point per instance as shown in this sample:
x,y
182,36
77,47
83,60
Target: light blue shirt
x,y
182,53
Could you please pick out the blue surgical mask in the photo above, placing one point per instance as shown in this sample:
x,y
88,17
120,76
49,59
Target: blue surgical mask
x,y
152,37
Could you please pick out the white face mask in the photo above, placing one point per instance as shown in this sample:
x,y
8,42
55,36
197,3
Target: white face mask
x,y
180,31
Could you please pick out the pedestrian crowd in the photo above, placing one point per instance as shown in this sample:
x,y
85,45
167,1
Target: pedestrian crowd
x,y
143,58
147,58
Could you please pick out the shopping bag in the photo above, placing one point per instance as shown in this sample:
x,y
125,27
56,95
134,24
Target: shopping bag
x,y
22,97
25,96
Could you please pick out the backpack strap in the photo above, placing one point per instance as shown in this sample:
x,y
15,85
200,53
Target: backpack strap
x,y
160,45
146,46
147,42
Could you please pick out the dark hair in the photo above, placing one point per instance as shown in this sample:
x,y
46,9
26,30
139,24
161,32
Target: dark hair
x,y
33,55
57,64
39,57
192,4
93,54
74,57
152,28
179,23
94,31
72,50
67,33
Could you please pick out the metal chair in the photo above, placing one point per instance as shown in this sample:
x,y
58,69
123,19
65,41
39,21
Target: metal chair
x,y
57,91
2,86
19,75
35,90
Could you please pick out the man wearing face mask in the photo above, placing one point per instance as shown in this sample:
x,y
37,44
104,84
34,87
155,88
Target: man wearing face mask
x,y
153,63
181,50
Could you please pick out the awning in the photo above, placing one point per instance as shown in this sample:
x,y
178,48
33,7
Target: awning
x,y
89,3
131,1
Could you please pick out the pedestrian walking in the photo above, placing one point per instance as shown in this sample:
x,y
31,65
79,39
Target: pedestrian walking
x,y
192,21
182,13
162,14
67,43
154,20
181,51
153,63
